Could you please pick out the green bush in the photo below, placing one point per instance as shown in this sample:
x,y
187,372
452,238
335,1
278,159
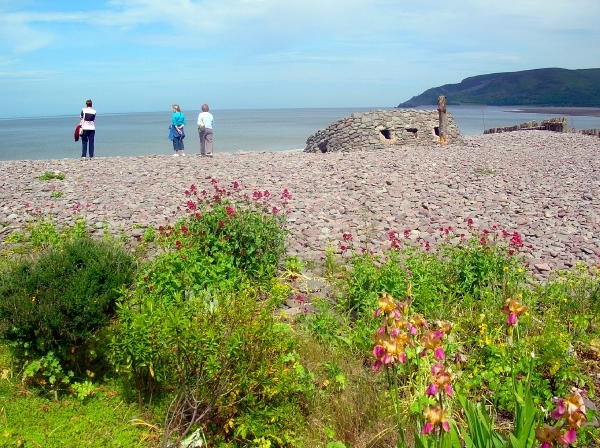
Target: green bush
x,y
223,361
223,240
58,301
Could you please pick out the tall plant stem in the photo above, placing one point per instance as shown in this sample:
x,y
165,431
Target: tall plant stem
x,y
392,378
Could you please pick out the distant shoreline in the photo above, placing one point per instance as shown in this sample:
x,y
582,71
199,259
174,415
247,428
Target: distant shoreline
x,y
556,111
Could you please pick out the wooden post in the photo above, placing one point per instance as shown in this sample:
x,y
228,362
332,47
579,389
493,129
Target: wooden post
x,y
443,119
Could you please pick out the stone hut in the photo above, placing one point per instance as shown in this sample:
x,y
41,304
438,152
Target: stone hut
x,y
379,129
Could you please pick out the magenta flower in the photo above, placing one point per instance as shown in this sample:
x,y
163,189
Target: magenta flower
x,y
432,389
427,428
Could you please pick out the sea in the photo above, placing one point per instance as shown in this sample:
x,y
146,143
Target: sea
x,y
248,130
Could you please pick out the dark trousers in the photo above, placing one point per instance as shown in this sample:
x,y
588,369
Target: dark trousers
x,y
87,136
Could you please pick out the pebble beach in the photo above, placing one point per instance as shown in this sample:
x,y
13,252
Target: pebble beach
x,y
543,185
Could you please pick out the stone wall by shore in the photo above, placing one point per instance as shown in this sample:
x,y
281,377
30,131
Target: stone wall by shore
x,y
381,129
551,124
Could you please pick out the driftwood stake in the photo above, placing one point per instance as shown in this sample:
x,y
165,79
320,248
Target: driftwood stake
x,y
443,119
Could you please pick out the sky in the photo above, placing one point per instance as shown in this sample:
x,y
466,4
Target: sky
x,y
144,55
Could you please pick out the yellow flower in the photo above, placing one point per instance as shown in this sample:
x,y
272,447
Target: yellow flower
x,y
386,303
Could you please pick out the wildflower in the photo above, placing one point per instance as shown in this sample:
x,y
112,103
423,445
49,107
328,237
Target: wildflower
x,y
435,415
257,195
440,381
347,236
513,309
388,349
286,194
516,240
417,322
275,210
236,185
444,326
406,233
547,435
266,193
460,360
383,357
387,305
213,181
191,205
230,211
433,341
470,222
221,224
572,409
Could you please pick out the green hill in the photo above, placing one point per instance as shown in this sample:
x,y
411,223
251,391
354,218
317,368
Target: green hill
x,y
540,87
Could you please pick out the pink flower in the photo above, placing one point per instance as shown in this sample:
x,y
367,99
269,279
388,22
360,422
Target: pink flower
x,y
427,428
286,194
431,390
568,438
511,319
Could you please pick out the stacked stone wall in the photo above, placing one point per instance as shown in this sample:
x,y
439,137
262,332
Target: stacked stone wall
x,y
552,124
380,129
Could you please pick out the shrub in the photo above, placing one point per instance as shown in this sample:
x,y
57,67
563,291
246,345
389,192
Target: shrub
x,y
224,239
225,362
58,301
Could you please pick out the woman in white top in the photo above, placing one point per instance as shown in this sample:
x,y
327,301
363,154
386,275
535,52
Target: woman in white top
x,y
205,128
88,129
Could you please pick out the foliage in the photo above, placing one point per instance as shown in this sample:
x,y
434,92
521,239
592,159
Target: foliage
x,y
42,233
541,87
225,238
33,421
57,302
233,368
49,175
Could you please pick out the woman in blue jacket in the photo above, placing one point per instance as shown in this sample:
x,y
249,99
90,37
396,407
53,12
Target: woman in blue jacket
x,y
177,135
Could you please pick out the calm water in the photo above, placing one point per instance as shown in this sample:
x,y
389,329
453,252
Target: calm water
x,y
235,130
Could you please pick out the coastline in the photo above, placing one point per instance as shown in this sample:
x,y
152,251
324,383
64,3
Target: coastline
x,y
543,185
561,111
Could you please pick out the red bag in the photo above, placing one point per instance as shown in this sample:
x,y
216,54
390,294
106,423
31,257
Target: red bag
x,y
77,131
